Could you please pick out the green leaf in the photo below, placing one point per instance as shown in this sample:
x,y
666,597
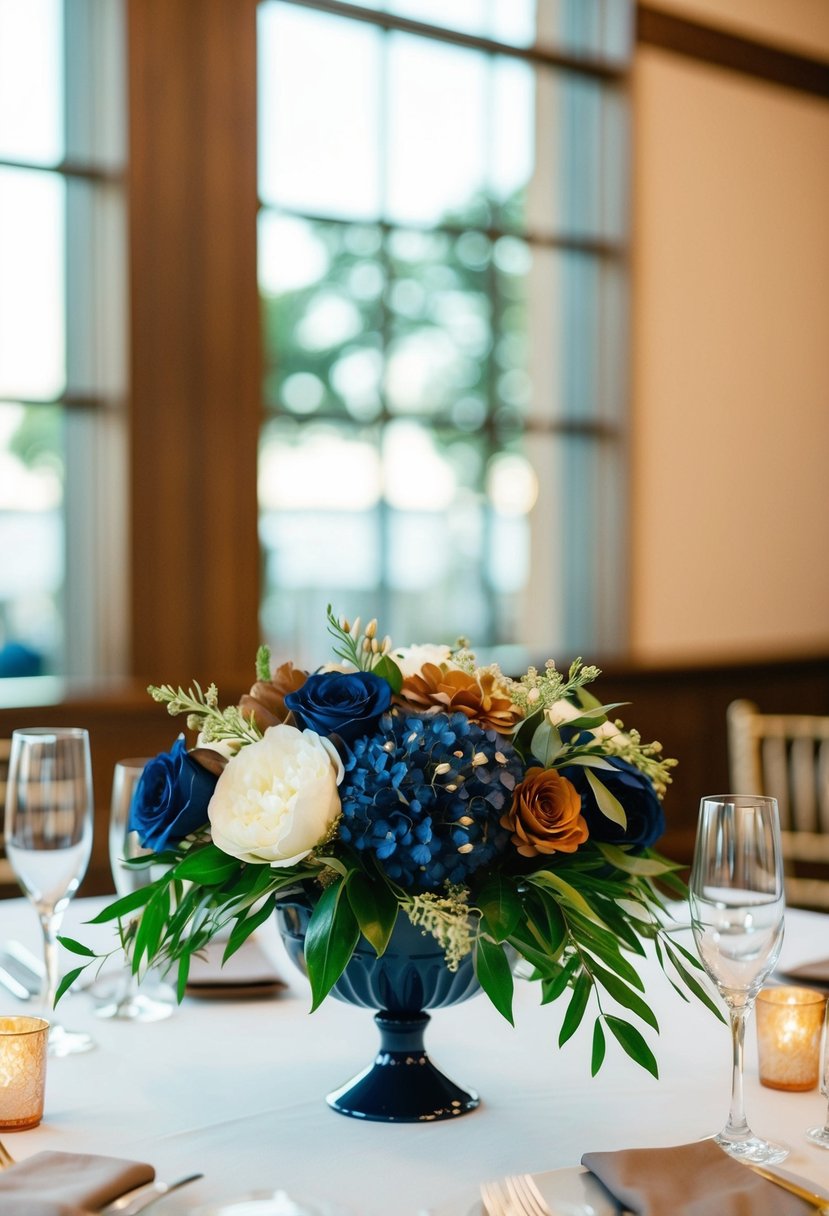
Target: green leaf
x,y
128,903
609,805
67,982
500,907
599,1046
548,921
590,761
633,1044
567,893
151,927
546,743
554,986
693,984
208,866
183,974
495,975
576,1008
330,939
74,947
246,925
388,670
375,907
631,863
625,996
533,952
596,716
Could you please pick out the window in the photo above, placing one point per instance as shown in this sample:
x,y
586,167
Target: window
x,y
442,244
62,337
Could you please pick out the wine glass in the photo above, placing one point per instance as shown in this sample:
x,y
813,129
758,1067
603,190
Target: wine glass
x,y
820,1135
48,831
737,906
129,1004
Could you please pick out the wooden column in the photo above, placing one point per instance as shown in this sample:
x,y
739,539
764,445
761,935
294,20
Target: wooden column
x,y
195,340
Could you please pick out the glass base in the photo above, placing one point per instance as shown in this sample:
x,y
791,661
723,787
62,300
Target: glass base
x,y
819,1136
135,1007
752,1148
63,1042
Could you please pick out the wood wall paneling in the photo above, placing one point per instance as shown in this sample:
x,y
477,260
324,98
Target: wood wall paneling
x,y
195,339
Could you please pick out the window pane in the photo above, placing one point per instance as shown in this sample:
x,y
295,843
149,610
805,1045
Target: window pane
x,y
437,132
440,327
32,284
319,494
322,288
31,538
319,112
31,80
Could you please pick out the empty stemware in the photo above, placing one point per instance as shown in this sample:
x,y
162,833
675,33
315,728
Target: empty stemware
x,y
820,1135
48,828
737,907
129,1004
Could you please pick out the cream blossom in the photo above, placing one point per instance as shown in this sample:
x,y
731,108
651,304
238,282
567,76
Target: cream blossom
x,y
411,659
562,712
277,798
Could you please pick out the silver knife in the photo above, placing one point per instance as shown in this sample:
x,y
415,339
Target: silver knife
x,y
130,1205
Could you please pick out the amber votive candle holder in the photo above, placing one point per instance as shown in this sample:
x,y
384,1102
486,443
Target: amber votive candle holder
x,y
22,1071
789,1025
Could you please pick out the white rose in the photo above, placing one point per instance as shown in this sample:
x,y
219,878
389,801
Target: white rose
x,y
562,712
411,659
277,798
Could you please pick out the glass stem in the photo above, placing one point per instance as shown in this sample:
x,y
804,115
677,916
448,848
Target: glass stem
x,y
50,923
737,1126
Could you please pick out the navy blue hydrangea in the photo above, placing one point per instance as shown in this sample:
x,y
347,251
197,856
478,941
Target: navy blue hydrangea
x,y
425,793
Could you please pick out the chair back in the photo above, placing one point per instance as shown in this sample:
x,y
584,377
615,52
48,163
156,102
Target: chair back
x,y
786,756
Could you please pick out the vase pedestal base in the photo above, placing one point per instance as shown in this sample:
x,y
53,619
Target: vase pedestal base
x,y
402,1085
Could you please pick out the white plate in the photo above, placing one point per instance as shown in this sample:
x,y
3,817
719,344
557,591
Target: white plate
x,y
567,1192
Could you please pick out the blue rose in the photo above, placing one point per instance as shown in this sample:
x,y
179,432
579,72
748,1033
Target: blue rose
x,y
171,798
338,703
645,817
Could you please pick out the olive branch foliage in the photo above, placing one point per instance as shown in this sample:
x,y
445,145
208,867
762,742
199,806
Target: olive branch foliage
x,y
580,922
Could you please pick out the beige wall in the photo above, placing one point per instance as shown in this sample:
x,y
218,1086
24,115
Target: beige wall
x,y
730,375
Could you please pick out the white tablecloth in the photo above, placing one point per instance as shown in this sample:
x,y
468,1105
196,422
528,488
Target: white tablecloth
x,y
235,1089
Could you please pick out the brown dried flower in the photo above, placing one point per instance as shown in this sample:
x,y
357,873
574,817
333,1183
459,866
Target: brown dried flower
x,y
545,816
482,697
265,702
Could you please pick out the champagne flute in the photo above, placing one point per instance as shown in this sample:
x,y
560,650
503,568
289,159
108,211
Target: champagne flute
x,y
737,906
820,1135
130,1005
49,823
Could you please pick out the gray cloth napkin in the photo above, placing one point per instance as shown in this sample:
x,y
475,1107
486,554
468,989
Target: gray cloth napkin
x,y
247,973
67,1184
815,972
697,1179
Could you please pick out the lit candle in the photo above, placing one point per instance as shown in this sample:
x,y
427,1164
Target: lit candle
x,y
22,1071
789,1024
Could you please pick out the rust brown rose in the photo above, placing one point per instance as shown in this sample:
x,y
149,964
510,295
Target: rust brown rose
x,y
482,697
545,816
265,702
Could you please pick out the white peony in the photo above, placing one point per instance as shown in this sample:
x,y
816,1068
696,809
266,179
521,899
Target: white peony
x,y
277,798
411,659
562,712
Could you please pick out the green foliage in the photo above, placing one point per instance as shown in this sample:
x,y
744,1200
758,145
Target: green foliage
x,y
492,967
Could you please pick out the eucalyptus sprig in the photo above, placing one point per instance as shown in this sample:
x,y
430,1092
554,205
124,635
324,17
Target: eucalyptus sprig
x,y
203,713
364,650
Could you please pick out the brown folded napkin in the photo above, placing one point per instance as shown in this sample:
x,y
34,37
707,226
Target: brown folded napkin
x,y
690,1180
247,973
67,1184
815,972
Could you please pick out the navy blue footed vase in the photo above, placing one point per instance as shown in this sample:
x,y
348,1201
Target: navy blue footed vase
x,y
401,1085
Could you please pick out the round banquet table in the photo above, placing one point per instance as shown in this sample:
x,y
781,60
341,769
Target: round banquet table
x,y
235,1089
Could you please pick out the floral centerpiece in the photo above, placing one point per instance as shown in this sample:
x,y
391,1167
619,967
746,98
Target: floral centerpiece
x,y
504,816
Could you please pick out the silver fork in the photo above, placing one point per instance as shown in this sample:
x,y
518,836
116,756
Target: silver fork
x,y
515,1195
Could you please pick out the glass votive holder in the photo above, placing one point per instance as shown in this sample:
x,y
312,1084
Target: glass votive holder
x,y
22,1071
789,1025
